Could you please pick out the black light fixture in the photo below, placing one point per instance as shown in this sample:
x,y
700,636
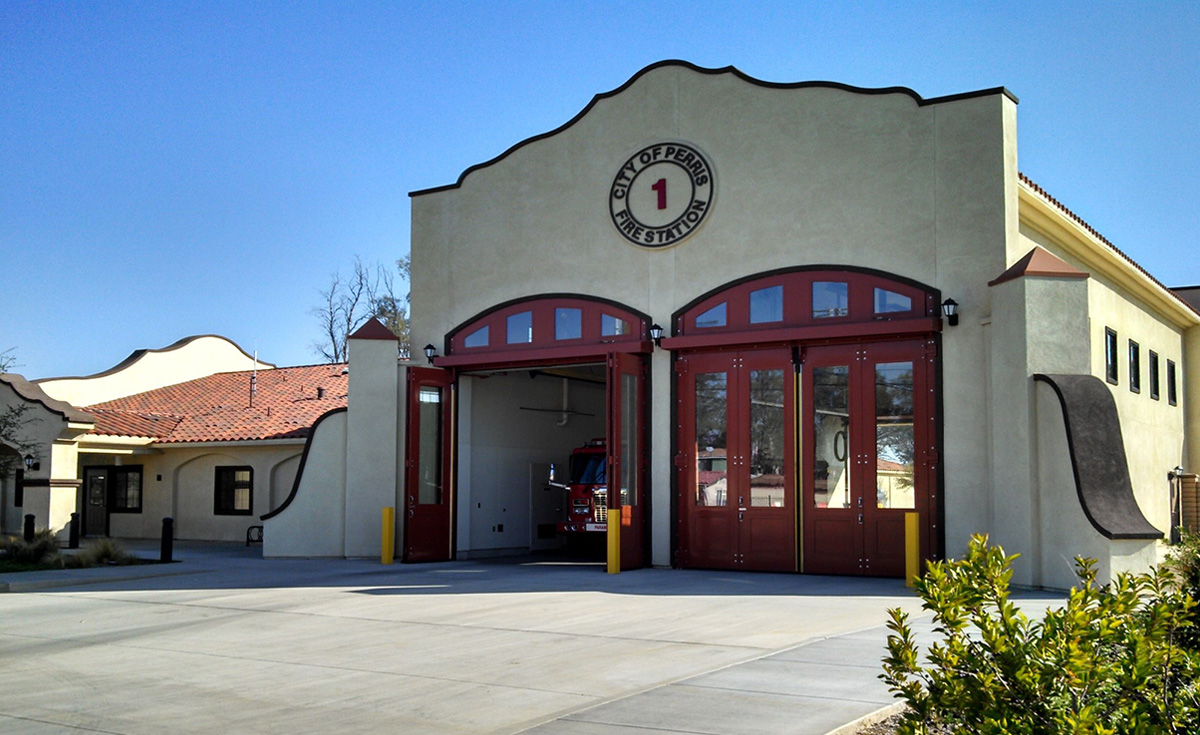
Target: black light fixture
x,y
1176,473
31,463
430,353
950,309
656,333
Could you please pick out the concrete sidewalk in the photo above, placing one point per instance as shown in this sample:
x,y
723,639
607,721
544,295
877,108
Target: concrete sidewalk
x,y
234,643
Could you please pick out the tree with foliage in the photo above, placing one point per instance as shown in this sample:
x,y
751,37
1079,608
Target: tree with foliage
x,y
12,420
349,301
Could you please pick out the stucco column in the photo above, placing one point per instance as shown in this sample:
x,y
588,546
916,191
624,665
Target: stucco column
x,y
372,440
1039,325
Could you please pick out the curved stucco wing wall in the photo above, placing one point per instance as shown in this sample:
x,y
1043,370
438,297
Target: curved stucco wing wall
x,y
187,359
1097,453
311,521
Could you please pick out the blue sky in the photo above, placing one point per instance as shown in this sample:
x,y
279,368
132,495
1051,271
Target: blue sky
x,y
169,169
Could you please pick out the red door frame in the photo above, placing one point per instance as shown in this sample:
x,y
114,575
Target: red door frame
x,y
873,536
429,527
737,534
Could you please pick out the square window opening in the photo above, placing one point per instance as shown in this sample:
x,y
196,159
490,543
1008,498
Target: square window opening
x,y
234,491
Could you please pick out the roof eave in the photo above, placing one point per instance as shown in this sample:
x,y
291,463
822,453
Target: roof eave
x,y
1048,218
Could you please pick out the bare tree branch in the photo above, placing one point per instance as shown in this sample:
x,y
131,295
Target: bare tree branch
x,y
347,304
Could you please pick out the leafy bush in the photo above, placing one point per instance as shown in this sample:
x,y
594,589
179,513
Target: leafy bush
x,y
1184,563
1110,661
43,550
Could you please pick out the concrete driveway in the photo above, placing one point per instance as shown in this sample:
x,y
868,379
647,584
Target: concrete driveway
x,y
230,643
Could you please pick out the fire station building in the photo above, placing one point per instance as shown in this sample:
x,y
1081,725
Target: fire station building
x,y
792,315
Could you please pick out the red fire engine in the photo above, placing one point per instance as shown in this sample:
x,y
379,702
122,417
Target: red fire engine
x,y
587,490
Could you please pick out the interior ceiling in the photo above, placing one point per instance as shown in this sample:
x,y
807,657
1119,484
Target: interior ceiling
x,y
592,373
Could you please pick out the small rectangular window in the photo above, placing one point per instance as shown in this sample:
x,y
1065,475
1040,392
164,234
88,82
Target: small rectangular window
x,y
611,326
520,328
478,338
1135,367
1110,356
1154,375
889,302
830,299
714,317
1172,396
234,492
568,323
126,489
766,305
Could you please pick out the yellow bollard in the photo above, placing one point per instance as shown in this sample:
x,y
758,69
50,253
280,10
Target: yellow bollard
x,y
388,553
614,541
912,547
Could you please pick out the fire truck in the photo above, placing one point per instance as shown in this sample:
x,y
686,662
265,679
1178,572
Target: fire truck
x,y
587,490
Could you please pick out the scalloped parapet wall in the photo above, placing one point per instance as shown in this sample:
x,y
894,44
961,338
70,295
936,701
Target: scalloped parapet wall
x,y
187,359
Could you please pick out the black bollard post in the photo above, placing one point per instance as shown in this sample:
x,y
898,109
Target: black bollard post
x,y
29,528
168,540
73,538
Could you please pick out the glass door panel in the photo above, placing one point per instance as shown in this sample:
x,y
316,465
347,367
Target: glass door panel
x,y
894,436
429,496
831,436
711,445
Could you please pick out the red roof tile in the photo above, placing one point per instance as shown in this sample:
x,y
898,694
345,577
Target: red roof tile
x,y
217,408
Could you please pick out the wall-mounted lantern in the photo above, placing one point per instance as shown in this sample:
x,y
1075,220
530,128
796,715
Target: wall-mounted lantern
x,y
430,353
950,309
31,463
656,333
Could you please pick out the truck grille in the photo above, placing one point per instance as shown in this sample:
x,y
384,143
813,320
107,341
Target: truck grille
x,y
600,503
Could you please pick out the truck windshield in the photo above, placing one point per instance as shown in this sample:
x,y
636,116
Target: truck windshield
x,y
587,469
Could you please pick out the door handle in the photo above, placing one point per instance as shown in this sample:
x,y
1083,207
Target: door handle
x,y
860,519
740,516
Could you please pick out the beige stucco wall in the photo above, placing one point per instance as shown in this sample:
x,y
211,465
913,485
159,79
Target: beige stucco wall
x,y
803,176
1153,430
179,482
314,523
52,437
188,359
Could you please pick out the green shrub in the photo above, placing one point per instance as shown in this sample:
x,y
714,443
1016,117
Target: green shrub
x,y
42,550
1110,661
1184,562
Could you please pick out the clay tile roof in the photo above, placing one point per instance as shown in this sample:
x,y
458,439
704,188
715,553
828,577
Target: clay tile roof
x,y
217,408
129,423
1080,221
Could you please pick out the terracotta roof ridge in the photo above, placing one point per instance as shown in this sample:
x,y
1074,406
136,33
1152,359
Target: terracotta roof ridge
x,y
284,369
1095,233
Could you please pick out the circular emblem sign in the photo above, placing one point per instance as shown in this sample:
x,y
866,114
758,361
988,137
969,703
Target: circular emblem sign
x,y
661,194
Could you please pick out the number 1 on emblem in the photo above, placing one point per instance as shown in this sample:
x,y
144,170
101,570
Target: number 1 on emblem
x,y
661,187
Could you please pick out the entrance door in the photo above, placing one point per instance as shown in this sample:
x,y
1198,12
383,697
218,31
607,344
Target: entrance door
x,y
869,455
428,483
95,512
626,455
736,447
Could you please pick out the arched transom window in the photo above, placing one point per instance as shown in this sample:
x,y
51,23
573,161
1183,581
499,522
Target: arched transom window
x,y
805,298
548,322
